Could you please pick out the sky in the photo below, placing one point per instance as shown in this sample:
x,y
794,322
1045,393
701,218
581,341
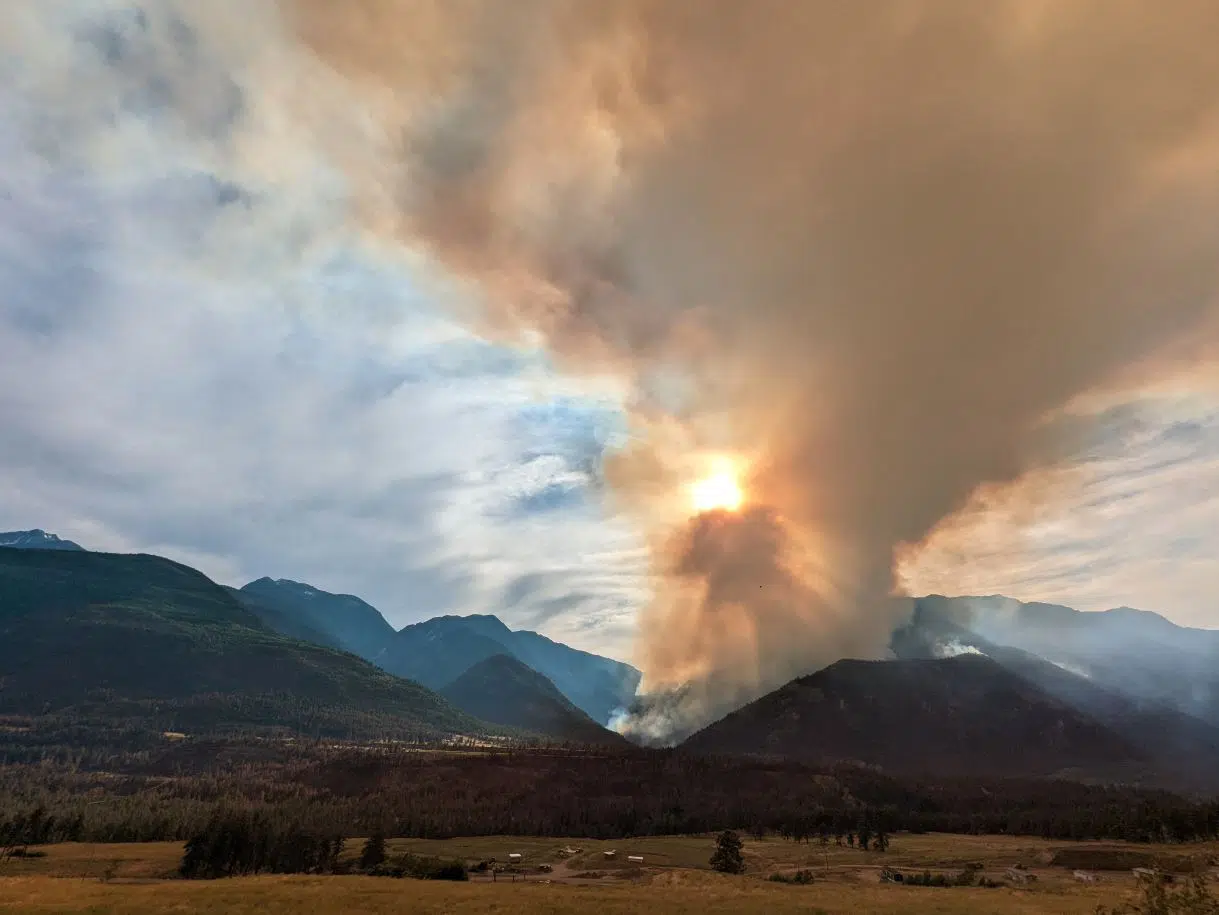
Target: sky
x,y
202,355
203,366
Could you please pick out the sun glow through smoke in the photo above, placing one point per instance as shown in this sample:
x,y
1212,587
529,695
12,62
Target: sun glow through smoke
x,y
720,491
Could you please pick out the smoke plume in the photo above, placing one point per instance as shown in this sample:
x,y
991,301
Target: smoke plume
x,y
870,250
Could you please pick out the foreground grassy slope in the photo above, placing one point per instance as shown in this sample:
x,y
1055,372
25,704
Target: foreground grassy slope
x,y
695,896
141,639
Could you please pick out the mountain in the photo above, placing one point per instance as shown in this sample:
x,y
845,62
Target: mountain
x,y
134,640
277,619
598,685
1133,652
36,540
1185,749
960,716
504,691
438,651
296,609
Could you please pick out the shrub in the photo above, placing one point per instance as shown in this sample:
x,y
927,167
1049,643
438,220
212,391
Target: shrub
x,y
970,876
1161,898
926,878
801,877
423,867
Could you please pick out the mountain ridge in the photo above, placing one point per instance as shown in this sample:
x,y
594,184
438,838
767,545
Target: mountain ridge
x,y
434,652
36,539
345,620
1185,748
965,715
504,690
116,640
437,651
1138,653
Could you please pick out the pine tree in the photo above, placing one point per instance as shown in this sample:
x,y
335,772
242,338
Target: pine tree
x,y
865,835
373,855
728,858
881,842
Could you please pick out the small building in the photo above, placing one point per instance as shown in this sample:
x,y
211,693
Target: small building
x,y
635,859
610,854
514,858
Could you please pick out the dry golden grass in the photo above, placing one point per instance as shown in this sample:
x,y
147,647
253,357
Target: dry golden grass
x,y
699,895
146,860
931,851
676,881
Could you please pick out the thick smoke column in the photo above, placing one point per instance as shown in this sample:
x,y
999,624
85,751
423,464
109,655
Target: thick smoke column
x,y
869,247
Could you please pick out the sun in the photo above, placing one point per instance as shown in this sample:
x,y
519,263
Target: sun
x,y
719,491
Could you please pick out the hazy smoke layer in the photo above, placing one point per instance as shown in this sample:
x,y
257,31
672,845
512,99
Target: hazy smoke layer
x,y
867,246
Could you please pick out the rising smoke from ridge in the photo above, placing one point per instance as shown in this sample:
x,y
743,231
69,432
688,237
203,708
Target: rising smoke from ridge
x,y
870,248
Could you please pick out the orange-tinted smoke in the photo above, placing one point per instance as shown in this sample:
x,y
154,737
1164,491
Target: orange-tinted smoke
x,y
881,242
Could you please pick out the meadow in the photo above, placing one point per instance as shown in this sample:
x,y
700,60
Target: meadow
x,y
139,878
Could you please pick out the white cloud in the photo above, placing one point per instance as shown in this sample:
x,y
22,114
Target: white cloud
x,y
1134,522
199,361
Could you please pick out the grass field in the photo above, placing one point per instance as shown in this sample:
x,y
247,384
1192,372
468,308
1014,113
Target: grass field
x,y
103,879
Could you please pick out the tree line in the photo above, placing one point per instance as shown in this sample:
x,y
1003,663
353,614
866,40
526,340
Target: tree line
x,y
173,791
236,843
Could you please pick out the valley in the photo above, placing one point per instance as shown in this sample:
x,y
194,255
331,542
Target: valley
x,y
144,705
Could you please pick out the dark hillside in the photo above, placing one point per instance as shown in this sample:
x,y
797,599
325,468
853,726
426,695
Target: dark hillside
x,y
114,640
342,620
1184,749
504,691
957,716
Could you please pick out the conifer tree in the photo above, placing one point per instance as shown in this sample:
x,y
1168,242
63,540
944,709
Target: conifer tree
x,y
373,855
728,858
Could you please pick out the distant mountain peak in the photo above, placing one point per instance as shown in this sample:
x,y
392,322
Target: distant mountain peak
x,y
36,539
503,690
437,651
344,620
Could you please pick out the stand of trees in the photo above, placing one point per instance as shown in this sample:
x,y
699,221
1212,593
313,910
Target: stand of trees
x,y
36,826
323,791
236,844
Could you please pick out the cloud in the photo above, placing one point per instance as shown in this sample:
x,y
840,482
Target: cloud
x,y
203,360
1131,522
